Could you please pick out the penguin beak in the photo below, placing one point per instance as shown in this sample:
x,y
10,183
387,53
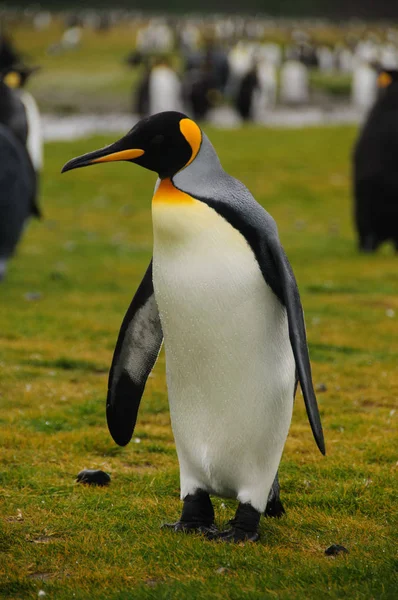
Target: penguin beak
x,y
108,154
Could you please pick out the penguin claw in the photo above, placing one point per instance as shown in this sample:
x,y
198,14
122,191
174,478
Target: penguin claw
x,y
235,535
191,526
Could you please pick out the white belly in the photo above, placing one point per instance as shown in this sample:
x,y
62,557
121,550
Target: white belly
x,y
229,364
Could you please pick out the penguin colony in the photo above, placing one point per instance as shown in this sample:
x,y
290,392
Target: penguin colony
x,y
374,172
221,294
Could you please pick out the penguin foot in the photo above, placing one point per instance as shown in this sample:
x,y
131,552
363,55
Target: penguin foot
x,y
192,526
197,515
234,535
243,527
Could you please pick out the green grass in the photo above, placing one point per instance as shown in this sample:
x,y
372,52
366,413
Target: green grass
x,y
85,261
92,77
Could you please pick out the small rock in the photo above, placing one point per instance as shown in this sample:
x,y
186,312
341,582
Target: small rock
x,y
40,576
93,477
335,550
222,570
300,225
41,593
321,387
57,275
17,517
32,296
70,246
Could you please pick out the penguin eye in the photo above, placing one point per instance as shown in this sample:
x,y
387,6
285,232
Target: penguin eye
x,y
157,140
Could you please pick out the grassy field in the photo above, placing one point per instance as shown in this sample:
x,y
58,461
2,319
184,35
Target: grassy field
x,y
92,77
61,308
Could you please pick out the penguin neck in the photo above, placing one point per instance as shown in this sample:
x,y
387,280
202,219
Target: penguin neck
x,y
166,192
202,173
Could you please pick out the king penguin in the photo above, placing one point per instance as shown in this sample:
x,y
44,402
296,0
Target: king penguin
x,y
375,181
221,294
18,181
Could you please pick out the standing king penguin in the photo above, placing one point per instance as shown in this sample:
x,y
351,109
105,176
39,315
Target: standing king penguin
x,y
18,181
375,179
222,294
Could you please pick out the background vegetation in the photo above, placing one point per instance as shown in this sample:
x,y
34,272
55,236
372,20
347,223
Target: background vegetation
x,y
61,308
383,9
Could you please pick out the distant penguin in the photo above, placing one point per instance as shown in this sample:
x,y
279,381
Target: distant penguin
x,y
325,59
34,142
16,77
222,294
246,94
200,85
364,86
265,95
270,53
375,172
294,83
18,179
17,192
164,88
344,59
389,57
12,110
240,60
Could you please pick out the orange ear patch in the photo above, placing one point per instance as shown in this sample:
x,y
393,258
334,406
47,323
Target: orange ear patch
x,y
12,79
384,80
193,135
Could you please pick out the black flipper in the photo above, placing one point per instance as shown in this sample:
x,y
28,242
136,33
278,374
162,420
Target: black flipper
x,y
297,334
17,185
137,349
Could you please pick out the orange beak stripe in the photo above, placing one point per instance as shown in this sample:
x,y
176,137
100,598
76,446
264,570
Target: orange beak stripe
x,y
122,155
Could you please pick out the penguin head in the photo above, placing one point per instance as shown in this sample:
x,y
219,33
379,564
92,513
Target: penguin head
x,y
165,143
17,75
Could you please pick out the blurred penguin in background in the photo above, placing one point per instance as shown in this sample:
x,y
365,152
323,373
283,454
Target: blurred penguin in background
x,y
294,83
375,169
164,88
137,60
15,77
12,110
364,86
265,96
17,176
159,88
202,94
245,98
